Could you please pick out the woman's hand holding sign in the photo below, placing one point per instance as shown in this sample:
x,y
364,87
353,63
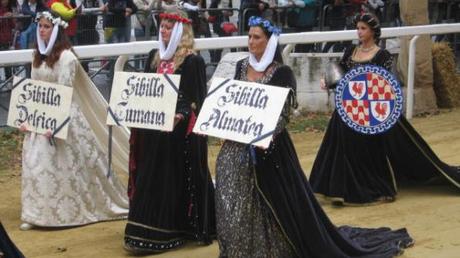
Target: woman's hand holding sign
x,y
178,118
23,127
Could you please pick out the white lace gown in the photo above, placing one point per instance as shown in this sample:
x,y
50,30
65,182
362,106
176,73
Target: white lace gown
x,y
66,184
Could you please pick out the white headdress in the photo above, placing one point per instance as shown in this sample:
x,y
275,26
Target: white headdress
x,y
45,49
270,50
267,57
167,53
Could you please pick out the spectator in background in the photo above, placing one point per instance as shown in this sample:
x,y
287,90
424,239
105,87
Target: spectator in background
x,y
87,22
141,20
67,10
302,17
168,5
392,15
200,23
30,8
270,13
375,7
6,29
335,20
86,29
115,23
256,8
340,17
115,19
221,24
353,7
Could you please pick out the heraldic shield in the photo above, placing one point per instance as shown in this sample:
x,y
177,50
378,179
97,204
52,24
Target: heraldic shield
x,y
369,99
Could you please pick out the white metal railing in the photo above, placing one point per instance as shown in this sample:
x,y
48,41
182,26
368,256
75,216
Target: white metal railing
x,y
142,47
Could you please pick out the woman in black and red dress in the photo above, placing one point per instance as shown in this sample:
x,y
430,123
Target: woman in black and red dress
x,y
170,188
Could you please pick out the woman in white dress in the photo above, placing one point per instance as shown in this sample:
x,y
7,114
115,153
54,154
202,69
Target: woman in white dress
x,y
65,183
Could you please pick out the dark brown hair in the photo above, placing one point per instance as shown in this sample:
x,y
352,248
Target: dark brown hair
x,y
372,21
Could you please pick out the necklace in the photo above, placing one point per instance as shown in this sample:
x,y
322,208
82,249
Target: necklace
x,y
367,49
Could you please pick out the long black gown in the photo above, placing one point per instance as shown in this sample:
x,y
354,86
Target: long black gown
x,y
7,247
266,208
170,187
355,168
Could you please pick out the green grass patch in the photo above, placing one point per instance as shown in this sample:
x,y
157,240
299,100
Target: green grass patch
x,y
309,122
10,150
304,122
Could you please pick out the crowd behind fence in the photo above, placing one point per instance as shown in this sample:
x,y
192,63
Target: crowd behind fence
x,y
17,28
320,16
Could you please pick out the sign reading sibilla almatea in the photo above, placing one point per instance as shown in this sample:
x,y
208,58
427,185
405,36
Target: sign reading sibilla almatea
x,y
245,112
143,100
40,106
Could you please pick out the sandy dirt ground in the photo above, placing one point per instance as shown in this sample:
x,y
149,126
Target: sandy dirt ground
x,y
430,212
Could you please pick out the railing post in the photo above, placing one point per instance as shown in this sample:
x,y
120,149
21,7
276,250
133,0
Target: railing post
x,y
286,51
410,77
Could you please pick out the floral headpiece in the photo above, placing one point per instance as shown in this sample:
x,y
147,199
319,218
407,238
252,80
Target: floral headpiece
x,y
54,20
172,16
259,21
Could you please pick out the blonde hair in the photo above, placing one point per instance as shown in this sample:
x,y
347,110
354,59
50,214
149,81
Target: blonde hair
x,y
185,47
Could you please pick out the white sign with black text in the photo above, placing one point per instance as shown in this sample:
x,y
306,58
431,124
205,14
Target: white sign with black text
x,y
245,112
143,100
40,106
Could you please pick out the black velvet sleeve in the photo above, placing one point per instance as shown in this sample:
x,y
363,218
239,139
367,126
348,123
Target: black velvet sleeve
x,y
148,63
192,84
238,70
385,60
346,55
284,77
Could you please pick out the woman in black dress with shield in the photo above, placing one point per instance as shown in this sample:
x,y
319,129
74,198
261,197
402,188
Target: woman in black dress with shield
x,y
354,168
264,204
170,188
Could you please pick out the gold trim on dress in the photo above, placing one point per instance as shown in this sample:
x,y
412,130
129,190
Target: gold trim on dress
x,y
155,241
380,200
155,228
428,157
392,173
273,212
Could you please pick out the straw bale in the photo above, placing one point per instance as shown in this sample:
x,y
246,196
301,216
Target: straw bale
x,y
446,80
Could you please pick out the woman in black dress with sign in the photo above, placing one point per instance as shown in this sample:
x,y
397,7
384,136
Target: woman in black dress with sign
x,y
354,168
264,204
170,188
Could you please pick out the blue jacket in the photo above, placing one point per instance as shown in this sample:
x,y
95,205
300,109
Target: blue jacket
x,y
308,15
25,9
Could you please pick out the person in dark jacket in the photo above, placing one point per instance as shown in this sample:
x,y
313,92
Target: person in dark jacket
x,y
6,29
115,20
250,8
220,22
31,8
